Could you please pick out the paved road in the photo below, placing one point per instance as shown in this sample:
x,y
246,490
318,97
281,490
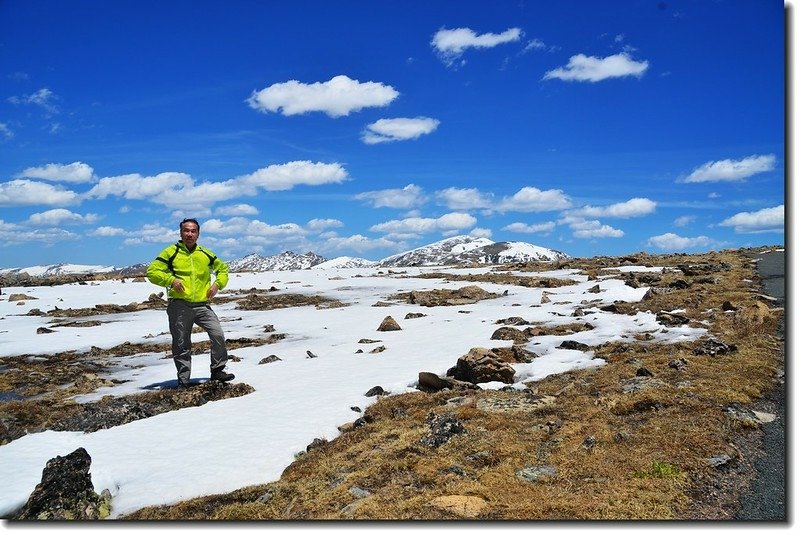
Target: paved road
x,y
767,500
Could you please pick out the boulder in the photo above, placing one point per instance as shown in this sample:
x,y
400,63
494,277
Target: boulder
x,y
389,324
480,365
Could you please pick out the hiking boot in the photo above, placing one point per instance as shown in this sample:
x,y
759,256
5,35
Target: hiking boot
x,y
183,383
221,375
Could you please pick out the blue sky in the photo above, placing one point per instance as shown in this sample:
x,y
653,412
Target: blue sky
x,y
366,128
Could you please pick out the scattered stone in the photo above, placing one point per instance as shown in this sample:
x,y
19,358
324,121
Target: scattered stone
x,y
414,315
671,320
720,461
358,492
375,391
536,474
389,324
269,359
44,330
729,307
442,428
589,442
379,349
643,372
678,364
510,333
572,344
514,320
368,341
316,443
66,492
310,355
714,347
594,289
20,297
269,328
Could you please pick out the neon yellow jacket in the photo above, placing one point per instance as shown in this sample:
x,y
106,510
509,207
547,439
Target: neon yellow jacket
x,y
194,269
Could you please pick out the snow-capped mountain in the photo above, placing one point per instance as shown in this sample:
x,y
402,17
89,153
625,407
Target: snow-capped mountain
x,y
466,249
287,260
56,270
343,262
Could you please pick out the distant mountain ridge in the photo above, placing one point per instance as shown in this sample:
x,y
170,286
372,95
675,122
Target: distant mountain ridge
x,y
458,250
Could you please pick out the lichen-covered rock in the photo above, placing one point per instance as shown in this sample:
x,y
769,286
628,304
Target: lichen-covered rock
x,y
66,492
389,324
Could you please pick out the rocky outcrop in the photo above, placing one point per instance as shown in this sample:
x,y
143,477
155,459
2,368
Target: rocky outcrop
x,y
66,492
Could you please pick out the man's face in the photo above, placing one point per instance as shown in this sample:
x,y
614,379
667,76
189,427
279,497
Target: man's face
x,y
189,234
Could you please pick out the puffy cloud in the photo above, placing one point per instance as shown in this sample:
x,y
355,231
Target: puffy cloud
x,y
420,225
106,231
152,233
635,207
481,233
337,97
321,224
585,228
398,129
530,229
358,243
766,220
684,220
280,177
463,198
583,68
60,216
732,170
50,236
406,198
237,210
673,242
246,228
530,199
75,172
137,187
28,193
451,44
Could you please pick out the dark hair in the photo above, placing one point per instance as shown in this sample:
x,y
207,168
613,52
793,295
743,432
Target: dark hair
x,y
189,220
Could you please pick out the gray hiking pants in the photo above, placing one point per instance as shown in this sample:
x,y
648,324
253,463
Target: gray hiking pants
x,y
182,317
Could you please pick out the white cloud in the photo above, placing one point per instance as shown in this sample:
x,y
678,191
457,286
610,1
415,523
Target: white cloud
x,y
152,233
75,172
481,233
531,229
419,225
766,220
48,237
530,199
406,198
60,216
245,228
317,225
237,210
5,131
337,97
107,232
43,98
281,177
635,207
593,229
732,170
29,193
398,129
463,198
673,242
684,220
358,243
583,68
451,44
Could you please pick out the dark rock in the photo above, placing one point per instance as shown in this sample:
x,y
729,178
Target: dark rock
x,y
66,492
44,330
375,391
644,372
714,347
572,344
678,364
671,319
414,315
729,307
269,359
442,428
509,333
679,284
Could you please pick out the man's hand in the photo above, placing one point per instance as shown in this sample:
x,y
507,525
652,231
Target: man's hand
x,y
177,285
212,291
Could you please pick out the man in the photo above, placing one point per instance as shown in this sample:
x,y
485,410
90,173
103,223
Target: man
x,y
185,270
